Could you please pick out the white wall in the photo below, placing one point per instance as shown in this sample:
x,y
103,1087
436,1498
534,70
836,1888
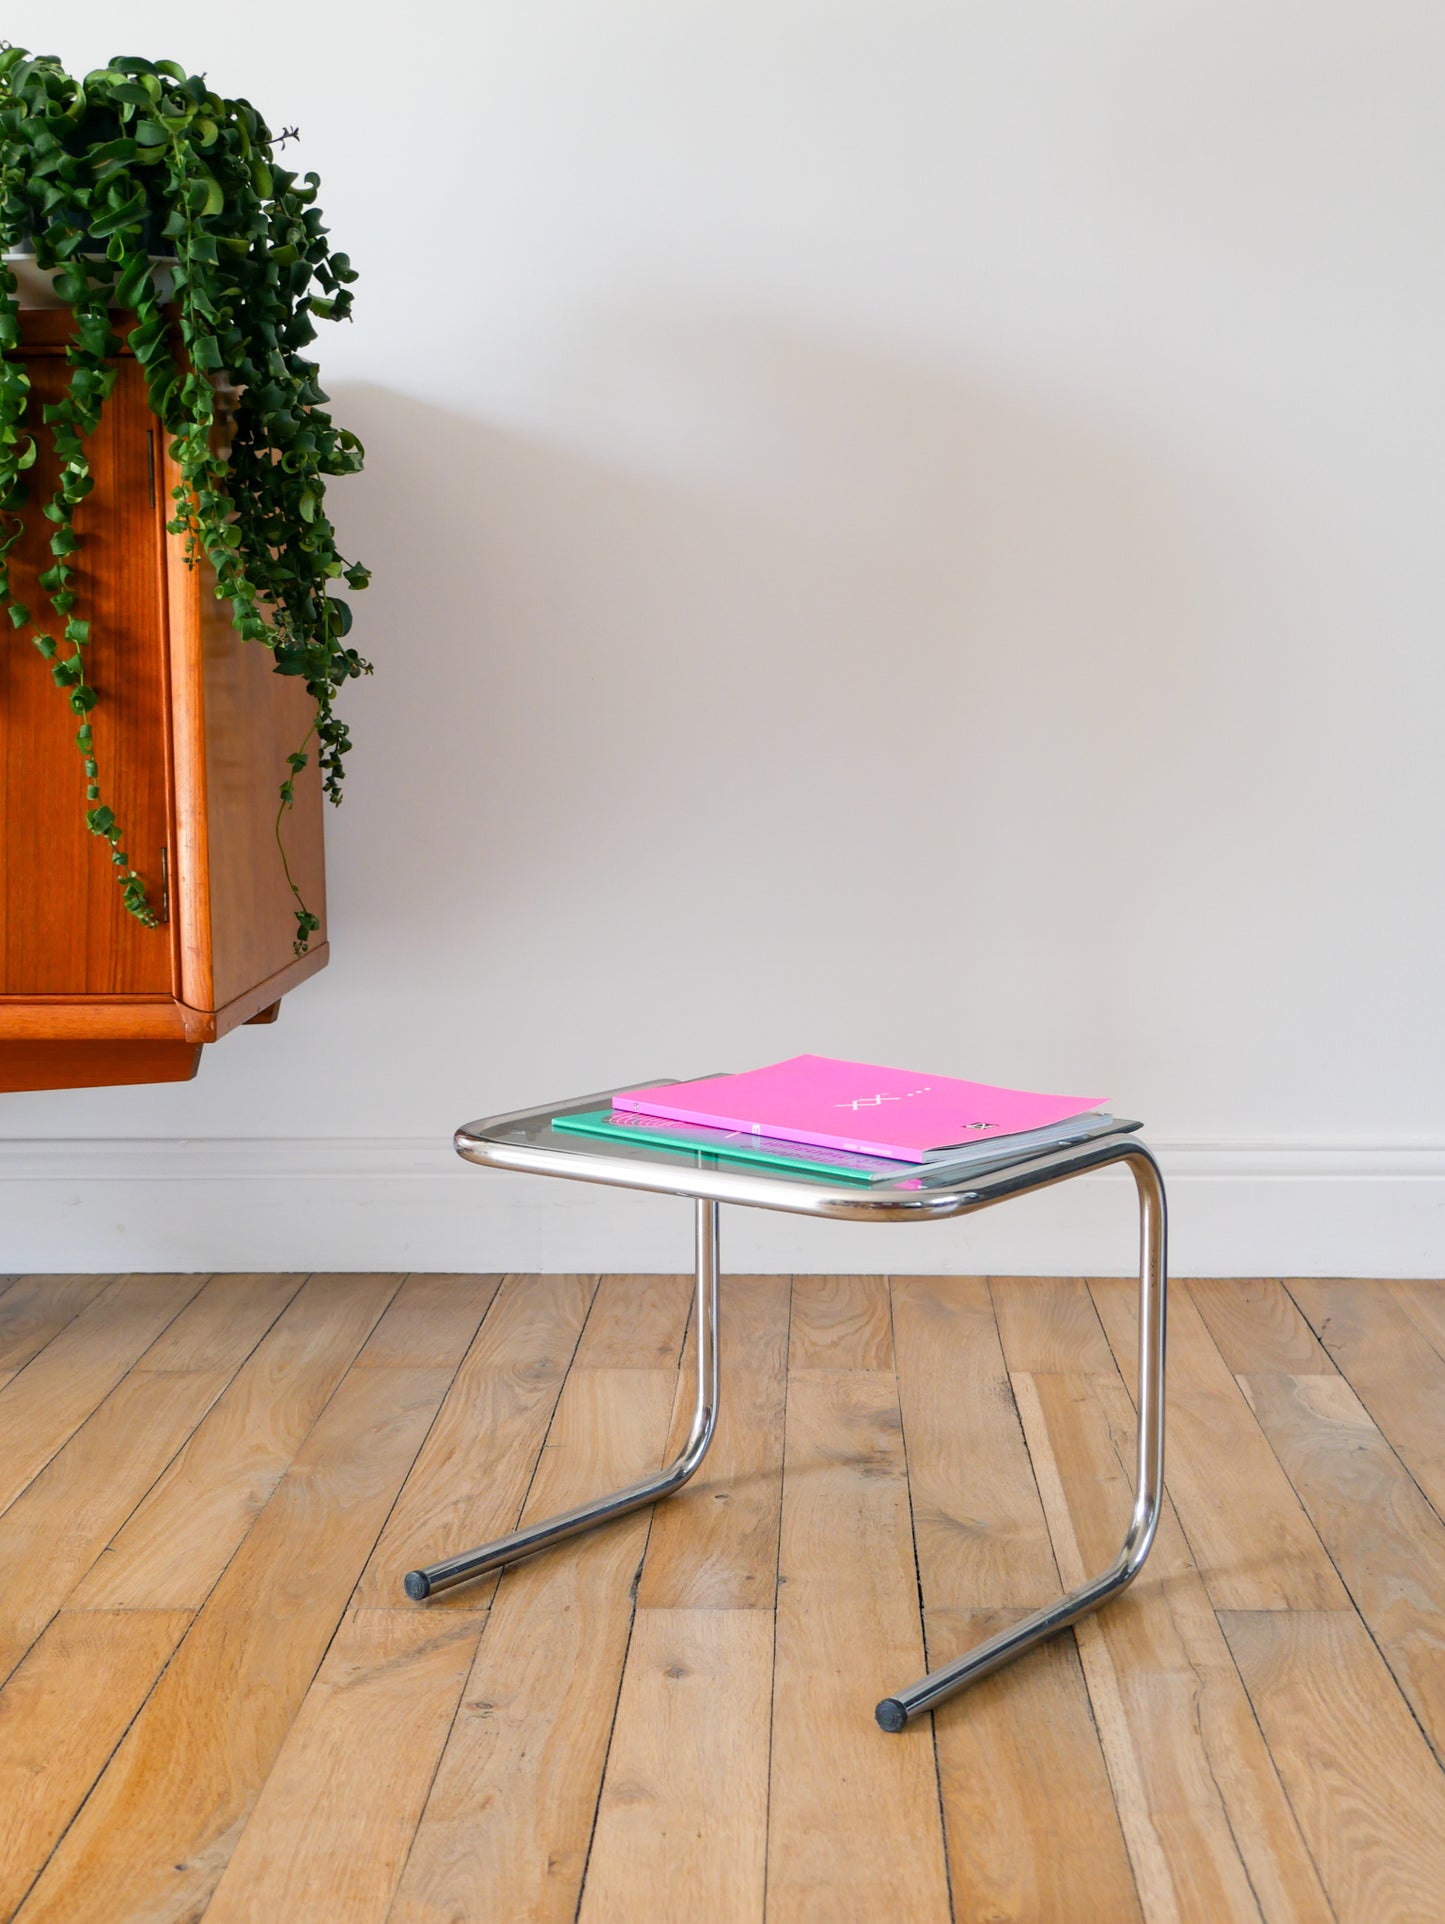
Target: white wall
x,y
908,531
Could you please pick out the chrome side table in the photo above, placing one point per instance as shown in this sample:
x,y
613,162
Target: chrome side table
x,y
526,1141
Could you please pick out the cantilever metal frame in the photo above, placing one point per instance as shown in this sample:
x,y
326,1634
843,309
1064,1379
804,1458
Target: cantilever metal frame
x,y
524,1141
541,1536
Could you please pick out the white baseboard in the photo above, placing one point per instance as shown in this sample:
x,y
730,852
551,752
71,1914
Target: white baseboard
x,y
1236,1209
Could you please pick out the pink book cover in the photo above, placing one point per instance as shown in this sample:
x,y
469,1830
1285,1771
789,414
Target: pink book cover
x,y
855,1105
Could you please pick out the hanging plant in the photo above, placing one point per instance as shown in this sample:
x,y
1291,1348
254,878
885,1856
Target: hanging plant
x,y
99,175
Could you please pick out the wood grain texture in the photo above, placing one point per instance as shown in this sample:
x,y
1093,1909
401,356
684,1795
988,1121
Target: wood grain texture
x,y
1258,1327
323,1842
60,1523
507,1826
91,1064
840,1323
646,1722
183,1534
63,927
222,1323
1424,1304
981,1536
1386,1540
47,1401
854,1826
1047,1325
98,1019
36,1308
754,1318
472,1475
756,1324
1033,1833
1209,1828
430,1322
235,722
1392,1367
682,1821
61,1715
636,1322
1252,1540
715,1544
156,1833
192,732
1370,1797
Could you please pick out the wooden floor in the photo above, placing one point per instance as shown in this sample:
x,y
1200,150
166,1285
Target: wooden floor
x,y
217,1702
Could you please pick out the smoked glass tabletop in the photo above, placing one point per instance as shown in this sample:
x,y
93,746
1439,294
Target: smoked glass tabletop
x,y
526,1141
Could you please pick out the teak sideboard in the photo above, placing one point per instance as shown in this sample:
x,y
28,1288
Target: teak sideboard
x,y
192,732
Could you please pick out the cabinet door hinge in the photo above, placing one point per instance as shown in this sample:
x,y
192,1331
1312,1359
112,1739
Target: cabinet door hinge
x,y
164,913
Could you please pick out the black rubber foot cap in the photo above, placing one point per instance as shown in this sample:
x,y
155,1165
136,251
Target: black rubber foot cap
x,y
890,1714
416,1585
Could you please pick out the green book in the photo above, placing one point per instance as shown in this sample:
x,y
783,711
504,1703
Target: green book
x,y
734,1145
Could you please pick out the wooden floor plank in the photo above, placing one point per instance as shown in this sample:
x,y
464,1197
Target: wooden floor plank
x,y
1210,1831
1033,1834
1255,1547
715,1544
754,1318
222,1323
854,1830
1047,1325
153,1839
682,1822
754,1321
981,1536
1390,1364
430,1322
1369,1795
506,1829
472,1474
840,1323
1386,1540
57,1527
636,1322
1424,1303
36,1308
646,1722
46,1403
61,1714
331,1830
1258,1327
182,1536
1027,1802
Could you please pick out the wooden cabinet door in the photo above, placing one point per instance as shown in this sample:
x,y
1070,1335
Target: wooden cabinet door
x,y
63,928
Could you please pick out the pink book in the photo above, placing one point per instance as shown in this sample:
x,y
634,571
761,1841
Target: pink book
x,y
853,1105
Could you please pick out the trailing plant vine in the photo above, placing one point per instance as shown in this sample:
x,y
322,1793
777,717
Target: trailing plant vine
x,y
138,159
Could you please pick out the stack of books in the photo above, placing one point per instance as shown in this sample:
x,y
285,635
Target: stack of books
x,y
854,1121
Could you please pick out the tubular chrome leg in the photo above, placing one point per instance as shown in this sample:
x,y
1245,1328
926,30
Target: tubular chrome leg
x,y
894,1712
540,1536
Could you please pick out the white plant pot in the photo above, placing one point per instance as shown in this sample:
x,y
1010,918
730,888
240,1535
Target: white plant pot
x,y
37,284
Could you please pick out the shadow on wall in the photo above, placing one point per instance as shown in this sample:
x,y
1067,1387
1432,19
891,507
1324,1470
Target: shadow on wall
x,y
801,611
